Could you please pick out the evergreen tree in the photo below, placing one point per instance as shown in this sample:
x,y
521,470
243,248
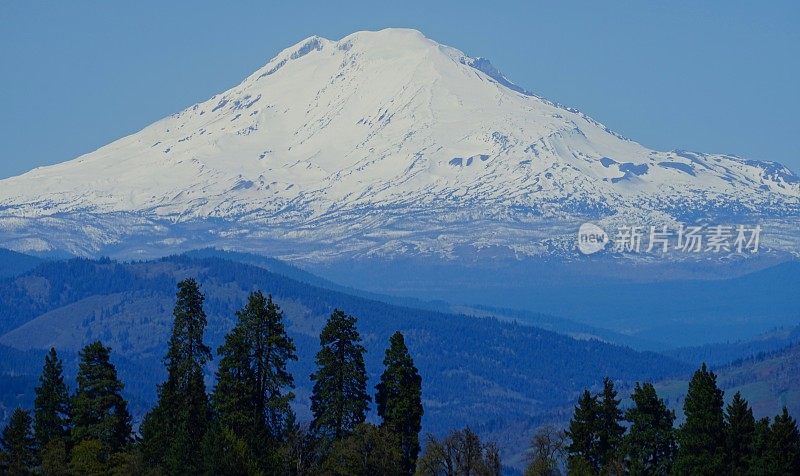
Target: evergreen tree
x,y
99,410
251,398
583,434
740,428
701,438
649,446
784,445
339,399
173,431
759,459
17,445
51,406
399,400
609,430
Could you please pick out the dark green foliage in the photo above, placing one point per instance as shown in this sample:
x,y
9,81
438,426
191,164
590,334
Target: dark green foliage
x,y
459,453
583,433
609,430
173,431
701,442
99,411
649,446
759,458
53,457
740,429
251,398
784,445
88,458
17,445
339,400
367,450
225,453
399,400
51,406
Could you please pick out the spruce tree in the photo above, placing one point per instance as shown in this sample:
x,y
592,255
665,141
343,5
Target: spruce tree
x,y
17,445
759,459
740,428
701,438
784,445
583,434
99,410
649,446
51,405
609,430
339,399
399,400
173,431
252,395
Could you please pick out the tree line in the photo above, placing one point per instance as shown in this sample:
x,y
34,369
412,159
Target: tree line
x,y
244,426
714,439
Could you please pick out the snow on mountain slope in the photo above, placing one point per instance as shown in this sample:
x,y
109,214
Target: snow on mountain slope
x,y
380,143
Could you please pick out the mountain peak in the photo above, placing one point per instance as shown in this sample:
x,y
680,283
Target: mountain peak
x,y
395,144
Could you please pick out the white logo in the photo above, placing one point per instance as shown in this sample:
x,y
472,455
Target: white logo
x,y
591,238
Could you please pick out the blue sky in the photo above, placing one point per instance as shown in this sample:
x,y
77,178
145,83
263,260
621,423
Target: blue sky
x,y
706,76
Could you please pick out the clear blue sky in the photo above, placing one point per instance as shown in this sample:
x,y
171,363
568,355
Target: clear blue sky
x,y
709,76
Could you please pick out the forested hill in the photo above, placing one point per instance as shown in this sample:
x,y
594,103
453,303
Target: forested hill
x,y
501,378
13,263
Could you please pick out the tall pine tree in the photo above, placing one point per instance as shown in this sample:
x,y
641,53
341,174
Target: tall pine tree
x,y
701,438
99,410
399,400
740,429
17,445
609,430
784,445
649,445
51,405
173,431
339,400
582,451
252,395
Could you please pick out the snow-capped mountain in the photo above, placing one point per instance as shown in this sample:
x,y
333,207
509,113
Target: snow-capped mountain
x,y
381,143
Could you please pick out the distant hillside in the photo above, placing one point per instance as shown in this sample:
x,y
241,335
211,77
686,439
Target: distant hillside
x,y
13,263
502,378
768,381
726,352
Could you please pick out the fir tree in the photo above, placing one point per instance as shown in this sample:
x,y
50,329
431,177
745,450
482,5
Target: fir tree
x,y
784,445
99,410
650,444
759,459
339,399
740,428
701,438
51,406
251,398
17,445
173,431
609,430
399,400
583,434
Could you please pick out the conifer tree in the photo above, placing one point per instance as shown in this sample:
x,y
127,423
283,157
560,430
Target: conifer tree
x,y
649,445
399,400
17,445
701,438
173,431
583,434
99,410
740,428
758,460
784,445
609,430
51,405
339,399
251,398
